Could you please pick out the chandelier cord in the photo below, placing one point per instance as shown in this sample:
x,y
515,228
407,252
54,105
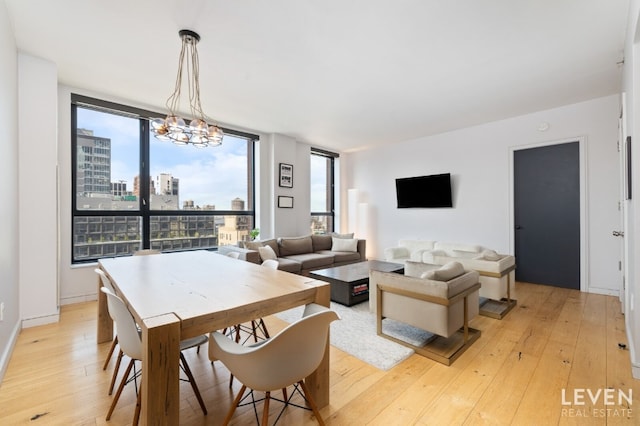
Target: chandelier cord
x,y
173,127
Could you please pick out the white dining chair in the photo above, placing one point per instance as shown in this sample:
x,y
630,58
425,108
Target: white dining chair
x,y
106,282
233,255
283,360
271,263
131,344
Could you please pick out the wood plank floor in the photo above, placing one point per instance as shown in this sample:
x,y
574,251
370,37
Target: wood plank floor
x,y
554,339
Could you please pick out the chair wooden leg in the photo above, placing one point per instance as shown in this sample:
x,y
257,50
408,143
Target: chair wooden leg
x,y
119,391
237,328
192,380
265,410
263,326
254,331
113,346
234,405
136,414
115,371
312,403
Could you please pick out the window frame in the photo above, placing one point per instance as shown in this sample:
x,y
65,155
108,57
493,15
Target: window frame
x,y
144,211
331,193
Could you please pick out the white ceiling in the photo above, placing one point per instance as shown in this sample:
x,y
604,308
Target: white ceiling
x,y
343,74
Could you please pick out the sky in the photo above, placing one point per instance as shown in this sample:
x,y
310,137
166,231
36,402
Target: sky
x,y
208,176
212,175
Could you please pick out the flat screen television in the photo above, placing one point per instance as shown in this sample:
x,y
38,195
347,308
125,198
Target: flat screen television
x,y
424,191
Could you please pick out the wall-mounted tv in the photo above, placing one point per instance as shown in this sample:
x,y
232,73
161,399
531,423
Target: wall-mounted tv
x,y
424,191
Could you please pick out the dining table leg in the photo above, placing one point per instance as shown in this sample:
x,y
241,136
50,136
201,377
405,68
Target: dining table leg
x,y
161,370
105,323
318,381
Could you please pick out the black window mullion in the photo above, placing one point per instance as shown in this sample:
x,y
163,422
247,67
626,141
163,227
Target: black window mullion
x,y
145,177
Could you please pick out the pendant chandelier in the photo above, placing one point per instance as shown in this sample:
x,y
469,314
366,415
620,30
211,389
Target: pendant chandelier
x,y
174,128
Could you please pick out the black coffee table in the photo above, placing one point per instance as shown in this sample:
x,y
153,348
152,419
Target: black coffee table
x,y
350,283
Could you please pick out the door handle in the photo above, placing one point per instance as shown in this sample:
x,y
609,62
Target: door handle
x,y
518,227
618,234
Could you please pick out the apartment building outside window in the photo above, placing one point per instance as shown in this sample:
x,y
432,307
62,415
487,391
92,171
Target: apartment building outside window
x,y
133,191
322,178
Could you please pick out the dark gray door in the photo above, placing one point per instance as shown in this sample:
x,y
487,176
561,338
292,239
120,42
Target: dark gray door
x,y
547,215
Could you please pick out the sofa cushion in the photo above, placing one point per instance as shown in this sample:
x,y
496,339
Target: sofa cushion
x,y
289,265
295,245
446,272
416,269
341,256
255,245
312,260
321,242
413,245
458,249
344,244
429,256
463,254
267,253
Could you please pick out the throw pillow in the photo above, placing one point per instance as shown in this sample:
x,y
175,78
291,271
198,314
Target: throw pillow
x,y
447,272
343,244
267,253
345,236
490,255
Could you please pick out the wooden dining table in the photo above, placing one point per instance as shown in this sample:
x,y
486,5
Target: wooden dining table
x,y
175,296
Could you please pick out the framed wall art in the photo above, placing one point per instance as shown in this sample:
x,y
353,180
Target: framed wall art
x,y
286,175
285,202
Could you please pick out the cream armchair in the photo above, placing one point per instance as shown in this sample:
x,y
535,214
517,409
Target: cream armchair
x,y
497,273
443,305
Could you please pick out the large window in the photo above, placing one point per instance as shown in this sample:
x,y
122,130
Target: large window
x,y
322,191
132,191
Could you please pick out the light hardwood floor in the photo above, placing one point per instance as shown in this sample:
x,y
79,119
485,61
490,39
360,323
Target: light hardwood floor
x,y
554,339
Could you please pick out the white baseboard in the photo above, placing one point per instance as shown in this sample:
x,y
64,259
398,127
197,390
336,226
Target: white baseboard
x,y
78,299
6,355
47,319
604,291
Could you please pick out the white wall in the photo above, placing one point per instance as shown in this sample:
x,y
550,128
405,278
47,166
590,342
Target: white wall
x,y
38,150
296,221
631,86
9,246
479,160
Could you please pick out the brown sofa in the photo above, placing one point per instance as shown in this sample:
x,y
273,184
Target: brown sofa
x,y
302,254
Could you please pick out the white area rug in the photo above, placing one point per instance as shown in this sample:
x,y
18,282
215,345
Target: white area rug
x,y
356,334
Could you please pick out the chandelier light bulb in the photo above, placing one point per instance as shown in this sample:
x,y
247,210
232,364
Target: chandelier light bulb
x,y
198,133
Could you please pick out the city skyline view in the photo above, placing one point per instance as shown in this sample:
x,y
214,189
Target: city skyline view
x,y
194,167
